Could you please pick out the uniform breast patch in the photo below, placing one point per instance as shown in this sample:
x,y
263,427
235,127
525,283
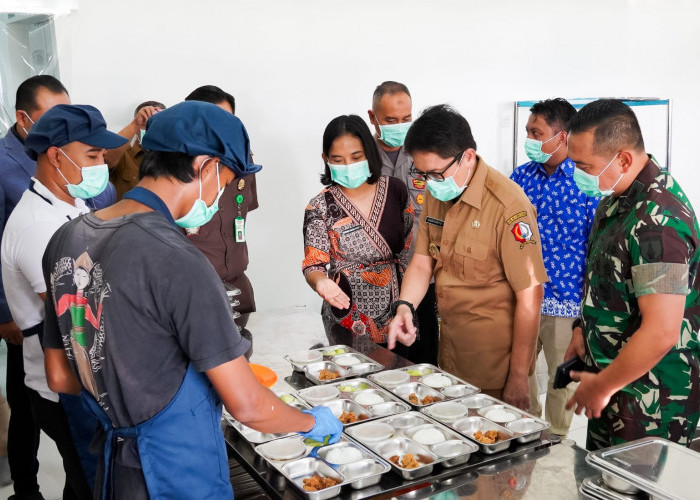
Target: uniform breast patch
x,y
435,222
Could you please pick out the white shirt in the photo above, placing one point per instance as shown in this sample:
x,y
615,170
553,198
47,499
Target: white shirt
x,y
35,219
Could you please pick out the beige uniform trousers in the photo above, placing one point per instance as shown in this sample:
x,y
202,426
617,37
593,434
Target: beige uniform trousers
x,y
554,338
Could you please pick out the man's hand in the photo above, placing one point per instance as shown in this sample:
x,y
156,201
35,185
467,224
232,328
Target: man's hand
x,y
11,332
402,328
517,391
143,115
576,347
331,293
591,394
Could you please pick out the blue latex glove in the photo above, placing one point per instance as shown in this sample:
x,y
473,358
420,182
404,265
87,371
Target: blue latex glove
x,y
326,425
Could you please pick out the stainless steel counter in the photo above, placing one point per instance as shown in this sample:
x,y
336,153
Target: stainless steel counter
x,y
538,470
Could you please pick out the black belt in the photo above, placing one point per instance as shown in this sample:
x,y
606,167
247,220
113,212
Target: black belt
x,y
35,330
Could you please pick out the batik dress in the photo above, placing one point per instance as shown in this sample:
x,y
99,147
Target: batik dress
x,y
365,256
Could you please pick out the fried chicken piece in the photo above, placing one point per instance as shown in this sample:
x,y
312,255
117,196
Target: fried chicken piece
x,y
316,483
488,437
327,375
428,400
348,417
413,398
394,459
409,462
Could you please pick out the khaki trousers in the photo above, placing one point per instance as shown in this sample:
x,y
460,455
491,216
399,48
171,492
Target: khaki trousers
x,y
554,338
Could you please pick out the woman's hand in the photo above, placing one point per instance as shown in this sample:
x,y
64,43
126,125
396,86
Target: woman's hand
x,y
331,293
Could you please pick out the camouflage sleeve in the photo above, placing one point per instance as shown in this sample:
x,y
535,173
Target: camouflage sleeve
x,y
660,250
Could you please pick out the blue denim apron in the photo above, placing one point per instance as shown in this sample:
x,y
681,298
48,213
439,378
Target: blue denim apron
x,y
181,449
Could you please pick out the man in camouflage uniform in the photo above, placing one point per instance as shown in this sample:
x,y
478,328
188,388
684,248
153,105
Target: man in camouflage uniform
x,y
640,313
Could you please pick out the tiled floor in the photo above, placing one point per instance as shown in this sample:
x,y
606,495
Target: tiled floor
x,y
289,330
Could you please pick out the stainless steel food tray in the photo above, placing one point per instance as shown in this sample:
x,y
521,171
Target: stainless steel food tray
x,y
656,466
524,429
327,354
365,472
416,384
366,366
454,450
257,437
347,400
595,487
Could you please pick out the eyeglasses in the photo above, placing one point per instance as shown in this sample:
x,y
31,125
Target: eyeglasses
x,y
435,176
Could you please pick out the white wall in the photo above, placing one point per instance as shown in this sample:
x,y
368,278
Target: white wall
x,y
294,65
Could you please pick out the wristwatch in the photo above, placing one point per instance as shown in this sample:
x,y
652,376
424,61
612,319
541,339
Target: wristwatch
x,y
395,305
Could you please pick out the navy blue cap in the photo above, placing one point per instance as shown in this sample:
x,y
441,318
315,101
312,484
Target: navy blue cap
x,y
66,123
201,128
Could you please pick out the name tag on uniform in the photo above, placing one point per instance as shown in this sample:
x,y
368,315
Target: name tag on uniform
x,y
351,229
435,222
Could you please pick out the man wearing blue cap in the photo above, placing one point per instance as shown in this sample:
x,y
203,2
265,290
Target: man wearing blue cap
x,y
68,144
155,351
34,97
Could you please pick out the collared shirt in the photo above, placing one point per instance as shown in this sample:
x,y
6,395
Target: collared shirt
x,y
125,174
564,217
16,170
645,241
486,247
416,187
35,219
217,239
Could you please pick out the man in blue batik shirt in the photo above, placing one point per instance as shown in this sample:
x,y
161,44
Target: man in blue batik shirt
x,y
564,217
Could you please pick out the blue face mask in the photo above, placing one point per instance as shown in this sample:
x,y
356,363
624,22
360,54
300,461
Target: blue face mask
x,y
350,176
393,135
590,184
448,189
533,150
200,213
95,179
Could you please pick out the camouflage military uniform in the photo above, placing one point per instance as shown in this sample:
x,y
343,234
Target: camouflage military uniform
x,y
642,242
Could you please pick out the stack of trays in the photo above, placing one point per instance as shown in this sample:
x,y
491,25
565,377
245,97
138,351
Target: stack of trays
x,y
257,437
341,360
427,442
346,462
595,487
424,384
659,468
355,400
482,413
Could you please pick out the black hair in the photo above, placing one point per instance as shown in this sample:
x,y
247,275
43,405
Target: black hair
x,y
27,90
615,124
355,126
213,95
556,112
154,104
440,130
167,164
389,88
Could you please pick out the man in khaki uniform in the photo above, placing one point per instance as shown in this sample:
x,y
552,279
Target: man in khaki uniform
x,y
478,235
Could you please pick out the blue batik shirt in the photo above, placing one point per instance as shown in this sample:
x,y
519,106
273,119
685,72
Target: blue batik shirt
x,y
564,217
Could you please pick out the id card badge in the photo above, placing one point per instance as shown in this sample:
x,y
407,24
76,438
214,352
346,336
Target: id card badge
x,y
239,227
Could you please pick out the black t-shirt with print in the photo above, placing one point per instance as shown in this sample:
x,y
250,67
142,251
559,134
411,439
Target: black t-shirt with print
x,y
153,304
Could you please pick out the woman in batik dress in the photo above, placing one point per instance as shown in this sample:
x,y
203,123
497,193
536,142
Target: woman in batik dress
x,y
357,233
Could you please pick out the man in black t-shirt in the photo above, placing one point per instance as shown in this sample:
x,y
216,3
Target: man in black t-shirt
x,y
137,318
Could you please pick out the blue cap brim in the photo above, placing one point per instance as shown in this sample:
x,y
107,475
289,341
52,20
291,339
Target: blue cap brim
x,y
105,139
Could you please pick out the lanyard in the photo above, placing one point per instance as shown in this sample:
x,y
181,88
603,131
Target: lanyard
x,y
151,200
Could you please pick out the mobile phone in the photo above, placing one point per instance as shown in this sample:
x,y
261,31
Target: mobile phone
x,y
562,377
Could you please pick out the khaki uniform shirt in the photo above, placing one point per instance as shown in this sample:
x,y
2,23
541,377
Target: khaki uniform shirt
x,y
416,187
487,247
125,175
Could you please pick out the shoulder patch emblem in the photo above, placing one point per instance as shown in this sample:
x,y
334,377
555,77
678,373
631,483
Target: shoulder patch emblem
x,y
419,199
418,183
515,217
522,233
